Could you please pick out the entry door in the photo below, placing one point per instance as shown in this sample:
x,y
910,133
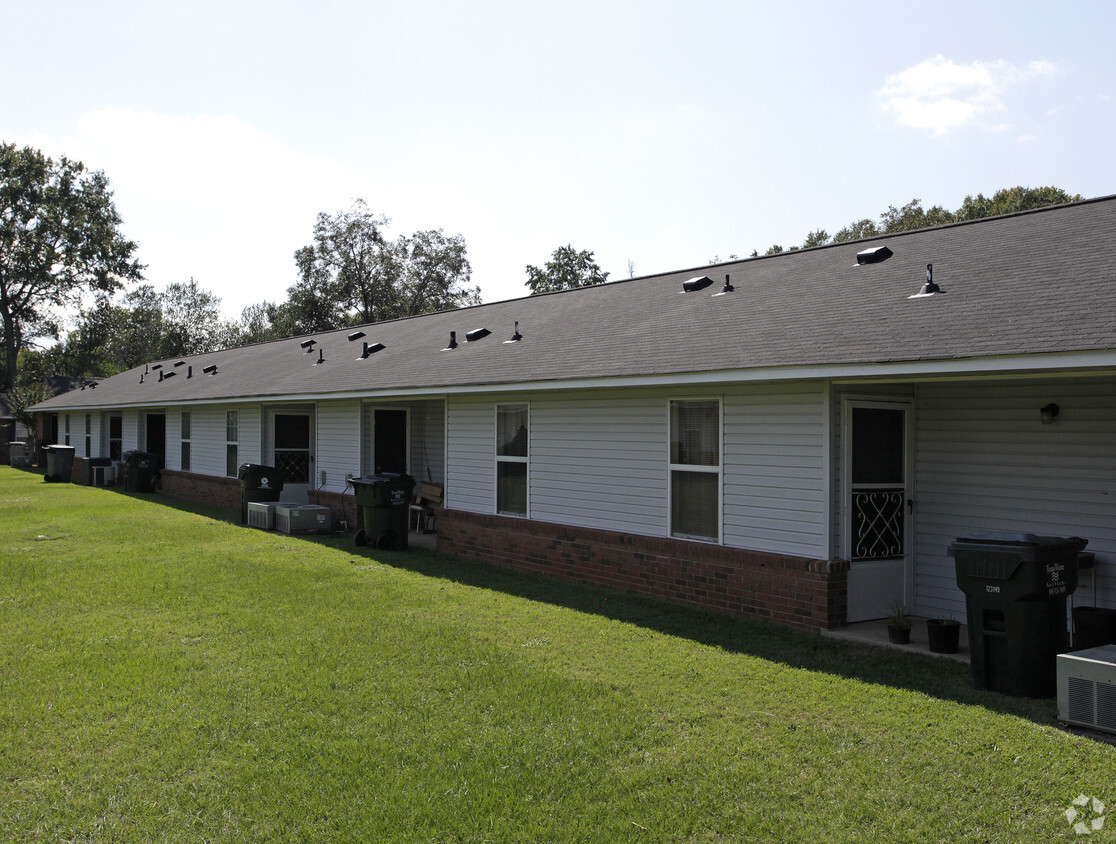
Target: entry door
x,y
389,441
878,507
292,438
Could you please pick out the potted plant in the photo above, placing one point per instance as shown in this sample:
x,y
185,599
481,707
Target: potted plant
x,y
943,634
899,626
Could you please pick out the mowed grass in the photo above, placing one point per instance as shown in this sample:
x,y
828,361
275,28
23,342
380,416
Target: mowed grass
x,y
168,675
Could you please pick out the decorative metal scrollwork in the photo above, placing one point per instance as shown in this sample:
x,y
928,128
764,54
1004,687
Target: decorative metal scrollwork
x,y
877,524
295,465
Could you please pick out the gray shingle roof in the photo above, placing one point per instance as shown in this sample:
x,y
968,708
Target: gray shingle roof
x,y
1025,284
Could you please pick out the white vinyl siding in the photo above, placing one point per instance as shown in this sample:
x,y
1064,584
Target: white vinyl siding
x,y
470,481
428,441
775,470
337,444
984,461
598,460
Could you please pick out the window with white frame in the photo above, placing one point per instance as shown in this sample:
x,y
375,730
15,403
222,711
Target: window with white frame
x,y
512,427
232,437
695,469
116,437
89,435
185,463
67,440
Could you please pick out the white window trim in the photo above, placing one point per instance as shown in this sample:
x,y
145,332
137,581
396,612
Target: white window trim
x,y
717,470
229,442
526,461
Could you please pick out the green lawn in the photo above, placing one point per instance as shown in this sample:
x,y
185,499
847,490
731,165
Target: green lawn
x,y
168,675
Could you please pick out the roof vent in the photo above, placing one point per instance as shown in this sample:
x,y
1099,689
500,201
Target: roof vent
x,y
356,335
141,376
92,385
308,345
876,255
160,377
515,338
210,370
170,374
179,363
930,288
370,349
695,284
156,366
728,288
452,342
476,334
321,357
189,372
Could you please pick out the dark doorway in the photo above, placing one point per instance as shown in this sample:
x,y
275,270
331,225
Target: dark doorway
x,y
156,439
389,444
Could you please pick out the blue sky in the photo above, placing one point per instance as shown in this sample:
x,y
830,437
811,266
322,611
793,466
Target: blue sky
x,y
660,134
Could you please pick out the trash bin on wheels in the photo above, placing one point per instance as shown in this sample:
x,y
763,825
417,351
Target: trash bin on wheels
x,y
1016,586
60,462
384,501
258,483
139,471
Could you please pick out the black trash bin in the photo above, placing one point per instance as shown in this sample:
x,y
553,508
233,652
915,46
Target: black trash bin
x,y
258,483
384,501
1016,586
140,468
60,462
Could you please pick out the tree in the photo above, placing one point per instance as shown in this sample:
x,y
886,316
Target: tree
x,y
566,269
1013,200
913,216
59,237
352,273
144,325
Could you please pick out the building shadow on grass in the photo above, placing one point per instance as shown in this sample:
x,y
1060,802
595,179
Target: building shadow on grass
x,y
939,678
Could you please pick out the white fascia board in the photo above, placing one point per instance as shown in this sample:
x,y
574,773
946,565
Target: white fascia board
x,y
1084,363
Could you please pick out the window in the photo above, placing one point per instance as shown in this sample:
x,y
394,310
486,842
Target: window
x,y
67,440
116,437
232,436
185,441
695,469
88,435
512,421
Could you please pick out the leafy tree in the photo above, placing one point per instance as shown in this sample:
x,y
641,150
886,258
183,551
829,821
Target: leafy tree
x,y
1012,200
144,325
352,273
913,216
566,269
59,237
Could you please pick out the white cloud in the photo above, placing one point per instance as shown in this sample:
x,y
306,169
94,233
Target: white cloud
x,y
942,96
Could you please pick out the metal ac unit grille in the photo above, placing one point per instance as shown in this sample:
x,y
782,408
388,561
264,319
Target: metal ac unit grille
x,y
1106,706
1087,688
1080,705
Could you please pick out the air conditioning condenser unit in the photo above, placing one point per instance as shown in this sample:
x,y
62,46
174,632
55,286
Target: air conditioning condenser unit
x,y
1087,688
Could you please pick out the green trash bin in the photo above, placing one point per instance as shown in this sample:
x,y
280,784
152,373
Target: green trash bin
x,y
258,483
383,500
60,463
1016,586
139,471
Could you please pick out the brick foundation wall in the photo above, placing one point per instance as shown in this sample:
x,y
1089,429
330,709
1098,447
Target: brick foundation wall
x,y
793,591
204,489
